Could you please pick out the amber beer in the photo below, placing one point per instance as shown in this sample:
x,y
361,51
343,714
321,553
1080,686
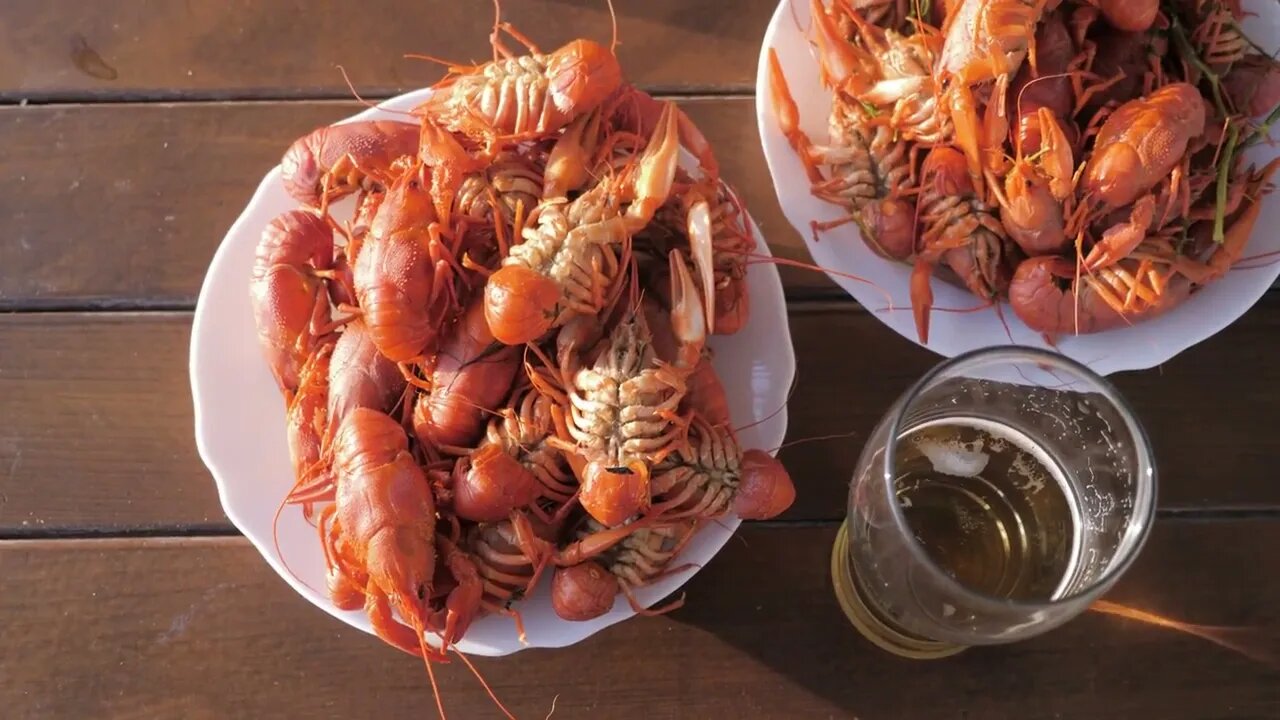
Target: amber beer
x,y
990,507
992,503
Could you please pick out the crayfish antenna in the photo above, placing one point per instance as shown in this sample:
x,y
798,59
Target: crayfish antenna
x,y
275,534
275,537
450,65
1270,257
1003,321
754,258
815,438
466,661
643,611
497,27
372,106
613,46
626,267
795,382
427,652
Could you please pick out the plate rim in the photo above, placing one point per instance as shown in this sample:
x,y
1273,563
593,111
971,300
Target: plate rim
x,y
784,367
1207,324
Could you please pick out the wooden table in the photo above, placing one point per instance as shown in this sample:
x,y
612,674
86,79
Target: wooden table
x,y
132,134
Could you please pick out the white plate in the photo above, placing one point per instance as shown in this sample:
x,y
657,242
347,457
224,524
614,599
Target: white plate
x,y
240,423
1142,345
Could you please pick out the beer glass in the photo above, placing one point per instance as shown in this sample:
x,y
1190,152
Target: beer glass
x,y
999,497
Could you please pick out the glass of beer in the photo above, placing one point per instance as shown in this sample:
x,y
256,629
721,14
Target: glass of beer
x,y
999,497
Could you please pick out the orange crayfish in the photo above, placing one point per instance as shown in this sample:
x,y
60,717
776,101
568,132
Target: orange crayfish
x,y
959,229
289,292
1141,143
524,95
337,160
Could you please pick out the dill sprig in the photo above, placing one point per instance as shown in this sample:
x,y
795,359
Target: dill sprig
x,y
1224,172
1261,132
1179,35
922,9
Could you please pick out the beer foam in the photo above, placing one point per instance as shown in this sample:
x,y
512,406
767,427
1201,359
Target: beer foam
x,y
954,459
1030,471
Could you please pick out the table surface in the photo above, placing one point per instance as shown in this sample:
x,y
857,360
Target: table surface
x,y
131,135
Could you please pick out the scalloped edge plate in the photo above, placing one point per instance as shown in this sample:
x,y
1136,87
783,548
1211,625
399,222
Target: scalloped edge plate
x,y
240,423
1139,346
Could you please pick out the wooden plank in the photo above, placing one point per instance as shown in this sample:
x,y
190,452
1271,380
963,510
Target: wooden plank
x,y
65,49
202,629
97,430
1213,445
97,433
124,205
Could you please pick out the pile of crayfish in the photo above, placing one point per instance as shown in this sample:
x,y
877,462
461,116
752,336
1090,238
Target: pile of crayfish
x,y
1081,159
498,365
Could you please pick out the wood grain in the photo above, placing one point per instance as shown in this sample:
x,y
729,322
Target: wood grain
x,y
120,206
69,50
124,205
204,629
97,432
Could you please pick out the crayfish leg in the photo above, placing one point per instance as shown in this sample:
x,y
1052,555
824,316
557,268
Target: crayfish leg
x,y
964,114
641,610
921,298
392,631
788,115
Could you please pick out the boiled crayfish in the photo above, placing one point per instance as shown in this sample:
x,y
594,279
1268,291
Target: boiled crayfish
x,y
485,367
1078,159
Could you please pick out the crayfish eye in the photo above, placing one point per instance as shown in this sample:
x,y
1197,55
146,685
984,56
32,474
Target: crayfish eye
x,y
621,470
422,592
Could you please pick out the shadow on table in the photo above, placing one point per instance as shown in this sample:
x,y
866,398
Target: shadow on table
x,y
773,601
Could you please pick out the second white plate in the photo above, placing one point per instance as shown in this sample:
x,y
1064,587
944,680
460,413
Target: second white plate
x,y
1142,345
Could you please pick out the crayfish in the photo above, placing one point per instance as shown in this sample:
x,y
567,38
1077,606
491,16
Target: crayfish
x,y
1082,160
473,399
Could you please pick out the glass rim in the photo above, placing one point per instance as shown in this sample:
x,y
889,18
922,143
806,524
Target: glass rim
x,y
1143,515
